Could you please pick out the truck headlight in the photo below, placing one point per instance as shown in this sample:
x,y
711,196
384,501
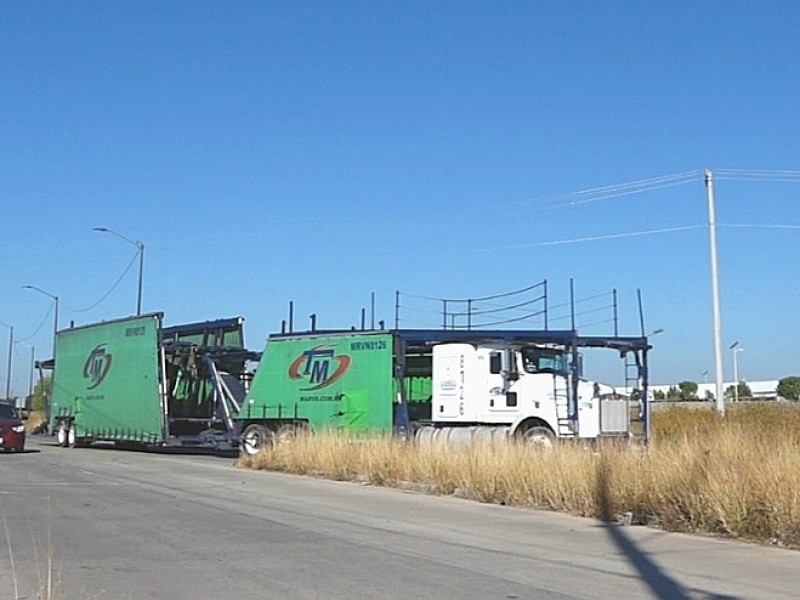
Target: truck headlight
x,y
18,429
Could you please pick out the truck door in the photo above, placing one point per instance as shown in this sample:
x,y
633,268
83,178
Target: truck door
x,y
449,382
499,399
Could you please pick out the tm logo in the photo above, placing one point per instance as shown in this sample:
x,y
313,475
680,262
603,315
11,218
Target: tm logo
x,y
97,366
315,366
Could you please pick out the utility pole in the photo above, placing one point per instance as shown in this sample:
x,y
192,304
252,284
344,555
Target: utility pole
x,y
10,351
712,237
30,376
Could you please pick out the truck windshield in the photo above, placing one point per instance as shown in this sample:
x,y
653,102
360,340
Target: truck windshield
x,y
543,360
7,412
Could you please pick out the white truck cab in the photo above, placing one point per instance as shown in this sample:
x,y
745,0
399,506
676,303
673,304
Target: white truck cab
x,y
519,388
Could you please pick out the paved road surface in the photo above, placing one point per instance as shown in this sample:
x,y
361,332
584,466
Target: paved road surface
x,y
137,525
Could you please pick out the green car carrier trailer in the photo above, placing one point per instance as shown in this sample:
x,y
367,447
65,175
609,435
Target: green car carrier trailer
x,y
133,382
449,385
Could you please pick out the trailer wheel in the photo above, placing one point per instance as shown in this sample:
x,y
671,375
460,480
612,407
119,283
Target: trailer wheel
x,y
539,437
255,439
62,433
72,436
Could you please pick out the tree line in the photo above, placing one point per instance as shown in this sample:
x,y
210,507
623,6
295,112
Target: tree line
x,y
787,388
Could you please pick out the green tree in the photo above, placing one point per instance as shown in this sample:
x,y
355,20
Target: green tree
x,y
744,391
789,388
659,395
673,393
687,390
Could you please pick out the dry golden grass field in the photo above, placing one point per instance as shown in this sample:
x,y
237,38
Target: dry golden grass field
x,y
736,477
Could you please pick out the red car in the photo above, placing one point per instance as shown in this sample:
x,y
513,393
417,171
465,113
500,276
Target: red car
x,y
12,431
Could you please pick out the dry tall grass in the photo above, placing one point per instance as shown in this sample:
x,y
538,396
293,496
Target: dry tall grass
x,y
43,586
737,477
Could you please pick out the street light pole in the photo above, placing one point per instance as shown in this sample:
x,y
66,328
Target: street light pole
x,y
10,351
735,349
30,374
140,248
55,317
33,361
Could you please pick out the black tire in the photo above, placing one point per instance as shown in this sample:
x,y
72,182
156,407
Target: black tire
x,y
540,437
256,439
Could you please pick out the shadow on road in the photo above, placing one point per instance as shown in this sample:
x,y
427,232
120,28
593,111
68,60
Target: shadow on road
x,y
140,448
660,583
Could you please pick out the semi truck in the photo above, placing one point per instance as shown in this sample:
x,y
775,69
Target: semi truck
x,y
449,385
133,381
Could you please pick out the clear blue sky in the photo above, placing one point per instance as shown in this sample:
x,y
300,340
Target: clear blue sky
x,y
321,151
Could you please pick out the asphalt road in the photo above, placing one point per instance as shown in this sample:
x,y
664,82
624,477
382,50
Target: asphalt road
x,y
122,525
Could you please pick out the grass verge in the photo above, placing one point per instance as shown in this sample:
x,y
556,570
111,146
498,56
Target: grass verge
x,y
736,477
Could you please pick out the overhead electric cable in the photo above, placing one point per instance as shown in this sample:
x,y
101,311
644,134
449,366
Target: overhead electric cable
x,y
759,226
594,238
111,289
39,326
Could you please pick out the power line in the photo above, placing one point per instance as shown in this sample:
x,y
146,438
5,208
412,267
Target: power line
x,y
585,196
594,238
39,326
788,176
759,226
111,289
612,190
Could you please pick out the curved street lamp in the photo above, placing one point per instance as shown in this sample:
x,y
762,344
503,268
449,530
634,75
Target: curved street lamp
x,y
140,248
55,318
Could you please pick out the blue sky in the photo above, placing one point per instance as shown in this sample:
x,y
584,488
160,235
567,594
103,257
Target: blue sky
x,y
319,152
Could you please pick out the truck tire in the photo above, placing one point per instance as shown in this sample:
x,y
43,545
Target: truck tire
x,y
62,433
539,437
256,439
72,437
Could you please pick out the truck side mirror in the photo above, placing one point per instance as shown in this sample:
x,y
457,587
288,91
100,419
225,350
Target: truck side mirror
x,y
495,363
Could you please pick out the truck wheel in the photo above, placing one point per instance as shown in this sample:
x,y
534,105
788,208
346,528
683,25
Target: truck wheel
x,y
255,439
72,436
61,434
539,437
